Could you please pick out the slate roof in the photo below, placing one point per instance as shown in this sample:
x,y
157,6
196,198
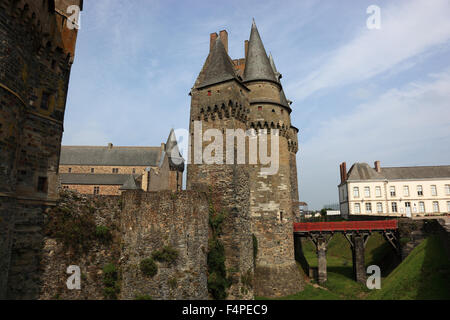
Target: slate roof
x,y
362,171
130,184
218,66
109,156
95,179
257,65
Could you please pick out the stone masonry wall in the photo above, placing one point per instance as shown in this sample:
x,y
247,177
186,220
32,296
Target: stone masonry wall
x,y
153,220
57,255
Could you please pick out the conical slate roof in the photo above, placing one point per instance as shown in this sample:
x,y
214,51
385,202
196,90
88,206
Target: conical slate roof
x,y
173,152
130,184
257,66
283,99
218,66
274,68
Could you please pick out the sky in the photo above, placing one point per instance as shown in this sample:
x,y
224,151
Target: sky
x,y
359,94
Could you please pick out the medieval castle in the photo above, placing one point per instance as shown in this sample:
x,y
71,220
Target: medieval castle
x,y
256,210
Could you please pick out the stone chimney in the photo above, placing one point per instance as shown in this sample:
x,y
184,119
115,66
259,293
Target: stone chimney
x,y
212,38
224,38
343,171
377,166
110,145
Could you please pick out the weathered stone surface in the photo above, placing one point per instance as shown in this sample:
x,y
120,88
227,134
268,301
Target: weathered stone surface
x,y
152,220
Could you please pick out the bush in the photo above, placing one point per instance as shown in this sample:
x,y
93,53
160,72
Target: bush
x,y
149,267
166,254
103,233
110,276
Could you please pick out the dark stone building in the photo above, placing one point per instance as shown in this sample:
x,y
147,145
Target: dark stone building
x,y
37,47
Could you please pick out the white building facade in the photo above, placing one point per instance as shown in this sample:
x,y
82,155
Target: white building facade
x,y
394,191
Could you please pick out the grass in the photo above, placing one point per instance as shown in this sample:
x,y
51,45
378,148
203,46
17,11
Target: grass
x,y
424,274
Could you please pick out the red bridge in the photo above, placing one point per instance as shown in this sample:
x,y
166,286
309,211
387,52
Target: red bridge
x,y
344,226
356,232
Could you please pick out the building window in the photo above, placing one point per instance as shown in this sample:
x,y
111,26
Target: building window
x,y
65,187
394,207
419,191
367,192
357,208
209,92
92,170
42,184
115,170
379,207
356,192
134,170
406,191
70,170
448,206
433,190
447,189
45,100
96,190
392,191
378,192
422,207
259,108
435,206
368,207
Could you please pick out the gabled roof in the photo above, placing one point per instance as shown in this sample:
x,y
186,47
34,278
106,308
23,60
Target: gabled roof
x,y
130,184
109,156
362,171
218,67
257,65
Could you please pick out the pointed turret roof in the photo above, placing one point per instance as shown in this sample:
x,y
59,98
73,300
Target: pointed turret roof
x,y
218,66
274,68
173,152
257,66
130,184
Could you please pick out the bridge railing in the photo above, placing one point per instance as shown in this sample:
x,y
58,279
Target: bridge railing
x,y
346,226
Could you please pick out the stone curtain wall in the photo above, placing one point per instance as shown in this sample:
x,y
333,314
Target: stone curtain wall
x,y
153,220
99,250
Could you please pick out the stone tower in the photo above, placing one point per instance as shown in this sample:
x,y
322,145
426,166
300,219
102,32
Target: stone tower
x,y
219,101
247,94
272,196
37,46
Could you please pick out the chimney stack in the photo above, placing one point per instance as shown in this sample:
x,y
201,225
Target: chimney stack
x,y
343,171
224,38
377,166
110,145
212,38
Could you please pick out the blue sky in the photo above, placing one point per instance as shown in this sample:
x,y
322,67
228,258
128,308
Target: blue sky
x,y
359,95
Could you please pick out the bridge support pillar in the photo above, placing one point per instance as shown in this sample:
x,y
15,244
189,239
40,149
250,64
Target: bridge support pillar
x,y
322,259
321,242
358,243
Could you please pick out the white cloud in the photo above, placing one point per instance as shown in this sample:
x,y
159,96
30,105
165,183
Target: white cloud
x,y
407,30
406,126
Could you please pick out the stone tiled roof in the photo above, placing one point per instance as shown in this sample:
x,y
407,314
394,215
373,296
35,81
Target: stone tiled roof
x,y
110,156
362,171
257,66
218,66
95,179
130,184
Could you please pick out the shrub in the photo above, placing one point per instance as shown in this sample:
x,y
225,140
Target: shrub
x,y
149,267
112,288
166,254
103,233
